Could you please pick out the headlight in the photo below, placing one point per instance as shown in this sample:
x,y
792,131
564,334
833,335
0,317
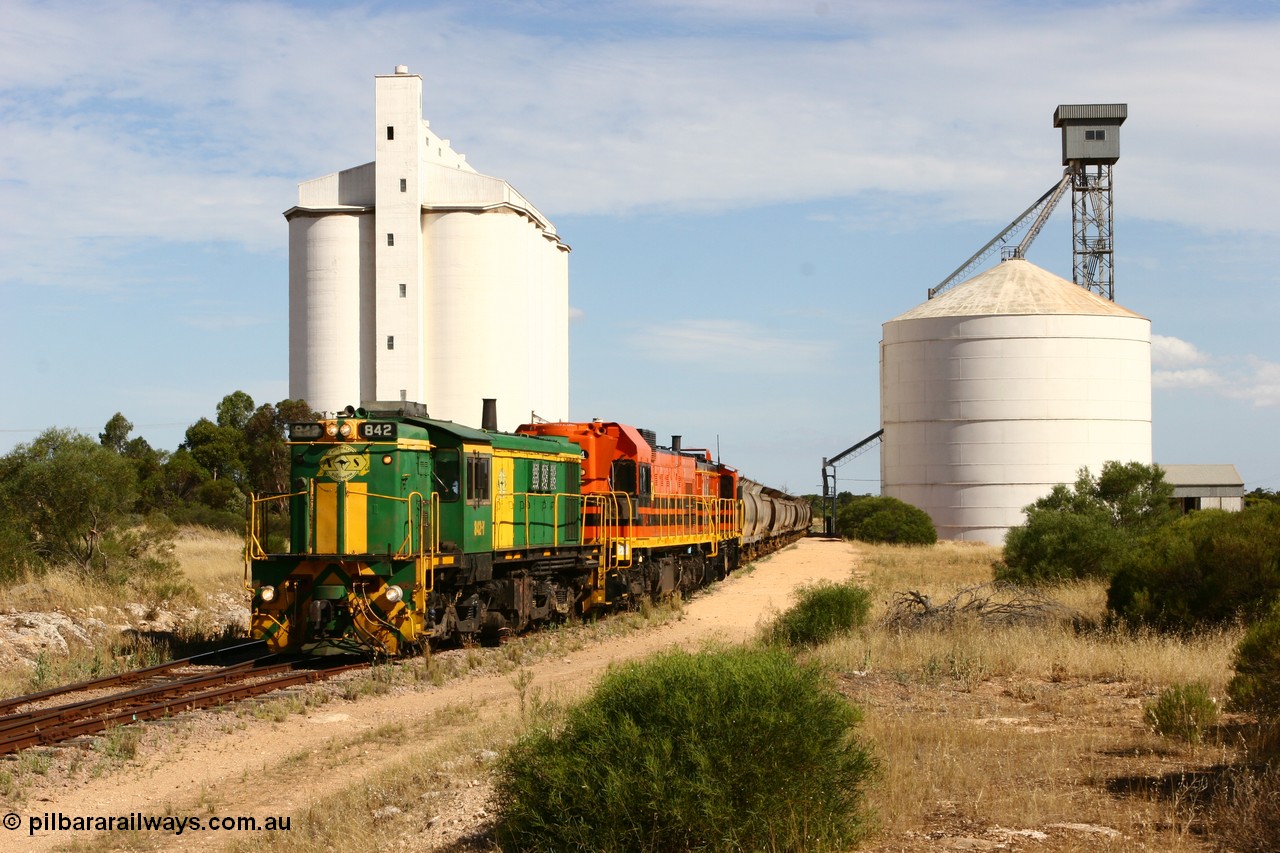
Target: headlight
x,y
267,593
345,429
331,429
394,593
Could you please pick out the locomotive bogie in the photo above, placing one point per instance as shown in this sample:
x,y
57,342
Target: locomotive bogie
x,y
317,605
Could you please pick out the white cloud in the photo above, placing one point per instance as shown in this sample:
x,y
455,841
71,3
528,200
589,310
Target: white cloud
x,y
1194,378
1167,351
1259,383
177,122
1250,378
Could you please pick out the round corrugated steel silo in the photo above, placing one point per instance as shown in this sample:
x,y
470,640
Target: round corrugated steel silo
x,y
1003,387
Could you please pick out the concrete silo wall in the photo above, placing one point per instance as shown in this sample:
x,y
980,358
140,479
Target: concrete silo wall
x,y
497,308
331,309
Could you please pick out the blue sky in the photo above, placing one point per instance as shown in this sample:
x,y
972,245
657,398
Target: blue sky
x,y
750,189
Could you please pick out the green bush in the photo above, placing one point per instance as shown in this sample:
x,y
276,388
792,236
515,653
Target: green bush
x,y
821,612
1183,711
730,750
1256,683
1083,531
62,493
875,518
1208,568
1054,546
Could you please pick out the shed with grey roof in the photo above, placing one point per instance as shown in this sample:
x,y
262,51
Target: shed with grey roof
x,y
1206,486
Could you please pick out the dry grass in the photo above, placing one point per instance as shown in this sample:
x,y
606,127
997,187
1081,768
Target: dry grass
x,y
983,730
212,560
210,564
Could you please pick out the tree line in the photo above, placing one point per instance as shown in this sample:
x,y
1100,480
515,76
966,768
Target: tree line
x,y
108,506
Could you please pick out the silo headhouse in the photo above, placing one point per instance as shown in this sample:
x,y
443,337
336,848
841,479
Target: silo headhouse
x,y
415,277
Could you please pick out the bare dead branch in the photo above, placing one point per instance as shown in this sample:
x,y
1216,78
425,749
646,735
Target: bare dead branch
x,y
988,604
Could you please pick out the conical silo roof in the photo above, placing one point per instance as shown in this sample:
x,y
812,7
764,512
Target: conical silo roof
x,y
1016,287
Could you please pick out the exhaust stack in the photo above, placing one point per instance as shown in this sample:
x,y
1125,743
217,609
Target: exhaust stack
x,y
489,414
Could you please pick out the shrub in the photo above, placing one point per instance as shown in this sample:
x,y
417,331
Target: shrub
x,y
1082,531
1183,711
821,612
61,493
873,518
1055,546
1256,683
1208,568
737,749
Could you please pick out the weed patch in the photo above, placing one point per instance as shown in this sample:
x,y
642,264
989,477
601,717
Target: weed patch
x,y
1182,711
822,611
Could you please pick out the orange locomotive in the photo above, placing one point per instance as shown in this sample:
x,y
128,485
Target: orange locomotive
x,y
667,518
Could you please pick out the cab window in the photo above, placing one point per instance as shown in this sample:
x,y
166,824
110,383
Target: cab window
x,y
478,478
446,476
622,478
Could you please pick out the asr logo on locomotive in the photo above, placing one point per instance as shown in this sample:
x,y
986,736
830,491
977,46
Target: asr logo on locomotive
x,y
343,463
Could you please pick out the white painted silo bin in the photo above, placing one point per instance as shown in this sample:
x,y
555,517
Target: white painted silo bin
x,y
1003,387
479,331
331,312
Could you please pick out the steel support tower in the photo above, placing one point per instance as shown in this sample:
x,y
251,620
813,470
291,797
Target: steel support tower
x,y
1092,229
1090,147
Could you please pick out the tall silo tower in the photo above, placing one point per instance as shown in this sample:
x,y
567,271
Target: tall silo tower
x,y
415,277
1090,147
1003,387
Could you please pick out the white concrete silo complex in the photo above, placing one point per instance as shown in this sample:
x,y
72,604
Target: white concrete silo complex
x,y
417,278
1003,387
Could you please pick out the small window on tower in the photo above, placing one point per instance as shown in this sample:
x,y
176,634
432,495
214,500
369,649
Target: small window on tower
x,y
391,132
1095,135
404,291
391,239
404,185
391,341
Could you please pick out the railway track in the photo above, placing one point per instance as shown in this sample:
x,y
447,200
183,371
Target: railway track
x,y
152,693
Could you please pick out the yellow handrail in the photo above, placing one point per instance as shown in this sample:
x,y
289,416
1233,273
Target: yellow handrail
x,y
254,535
255,549
522,516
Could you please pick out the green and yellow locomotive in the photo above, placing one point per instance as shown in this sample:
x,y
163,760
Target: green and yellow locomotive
x,y
404,530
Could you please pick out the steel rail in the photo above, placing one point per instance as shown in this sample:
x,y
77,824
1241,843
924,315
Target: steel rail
x,y
122,677
91,717
140,695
